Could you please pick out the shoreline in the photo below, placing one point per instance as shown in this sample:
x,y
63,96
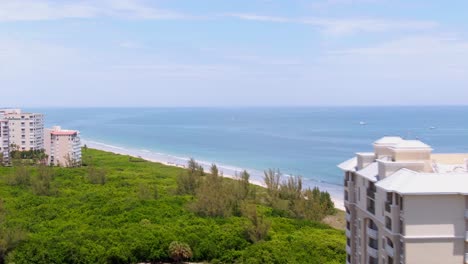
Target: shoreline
x,y
335,191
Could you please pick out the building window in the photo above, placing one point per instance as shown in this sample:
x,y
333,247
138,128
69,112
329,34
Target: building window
x,y
388,223
402,231
373,243
373,260
370,205
372,225
389,242
389,260
371,190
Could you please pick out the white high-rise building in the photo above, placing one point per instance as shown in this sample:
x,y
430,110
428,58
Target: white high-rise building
x,y
4,140
63,147
26,130
406,205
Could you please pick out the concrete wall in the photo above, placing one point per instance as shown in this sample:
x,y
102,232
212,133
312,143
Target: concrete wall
x,y
434,215
387,168
382,150
364,159
434,252
407,155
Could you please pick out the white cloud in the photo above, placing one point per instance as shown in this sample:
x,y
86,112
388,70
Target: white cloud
x,y
345,26
34,10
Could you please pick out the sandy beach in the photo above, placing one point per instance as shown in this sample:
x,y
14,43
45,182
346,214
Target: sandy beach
x,y
336,192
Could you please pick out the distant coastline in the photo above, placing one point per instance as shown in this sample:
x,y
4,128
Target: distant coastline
x,y
336,192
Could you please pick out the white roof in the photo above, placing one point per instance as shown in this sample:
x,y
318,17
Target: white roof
x,y
388,140
409,182
364,154
411,144
349,165
370,172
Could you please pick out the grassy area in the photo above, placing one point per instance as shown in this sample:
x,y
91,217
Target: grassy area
x,y
134,214
337,220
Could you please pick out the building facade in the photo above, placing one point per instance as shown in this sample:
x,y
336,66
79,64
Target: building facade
x,y
4,141
405,204
26,130
63,147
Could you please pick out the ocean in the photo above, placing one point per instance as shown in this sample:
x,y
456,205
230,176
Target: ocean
x,y
304,141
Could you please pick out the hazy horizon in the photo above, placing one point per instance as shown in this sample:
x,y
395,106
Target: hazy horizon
x,y
256,53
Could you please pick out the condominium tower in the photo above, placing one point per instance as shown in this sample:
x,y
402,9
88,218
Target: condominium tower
x,y
405,204
63,147
4,141
26,130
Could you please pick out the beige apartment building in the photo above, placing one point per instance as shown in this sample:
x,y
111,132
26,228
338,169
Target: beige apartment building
x,y
405,204
63,147
26,130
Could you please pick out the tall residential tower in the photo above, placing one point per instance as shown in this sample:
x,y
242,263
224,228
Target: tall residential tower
x,y
63,147
4,141
26,129
405,204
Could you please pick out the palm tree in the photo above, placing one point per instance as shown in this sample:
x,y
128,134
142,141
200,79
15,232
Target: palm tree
x,y
179,251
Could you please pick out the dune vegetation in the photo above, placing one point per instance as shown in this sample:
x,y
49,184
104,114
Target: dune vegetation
x,y
120,209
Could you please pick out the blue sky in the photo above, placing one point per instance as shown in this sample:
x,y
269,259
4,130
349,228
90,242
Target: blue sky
x,y
233,53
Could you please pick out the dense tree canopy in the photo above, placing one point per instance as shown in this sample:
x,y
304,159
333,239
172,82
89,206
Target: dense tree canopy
x,y
118,209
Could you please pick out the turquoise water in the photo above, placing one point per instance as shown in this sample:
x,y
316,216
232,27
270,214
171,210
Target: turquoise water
x,y
302,141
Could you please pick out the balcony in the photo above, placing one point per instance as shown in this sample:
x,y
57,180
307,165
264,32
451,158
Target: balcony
x,y
389,250
372,232
348,233
348,249
388,225
370,193
372,252
466,236
348,217
388,208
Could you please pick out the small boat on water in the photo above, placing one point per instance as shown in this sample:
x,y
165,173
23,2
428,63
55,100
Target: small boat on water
x,y
362,123
432,127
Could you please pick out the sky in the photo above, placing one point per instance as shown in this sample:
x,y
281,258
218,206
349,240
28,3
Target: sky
x,y
84,53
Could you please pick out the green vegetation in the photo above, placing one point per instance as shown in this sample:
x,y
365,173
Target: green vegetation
x,y
28,156
119,209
